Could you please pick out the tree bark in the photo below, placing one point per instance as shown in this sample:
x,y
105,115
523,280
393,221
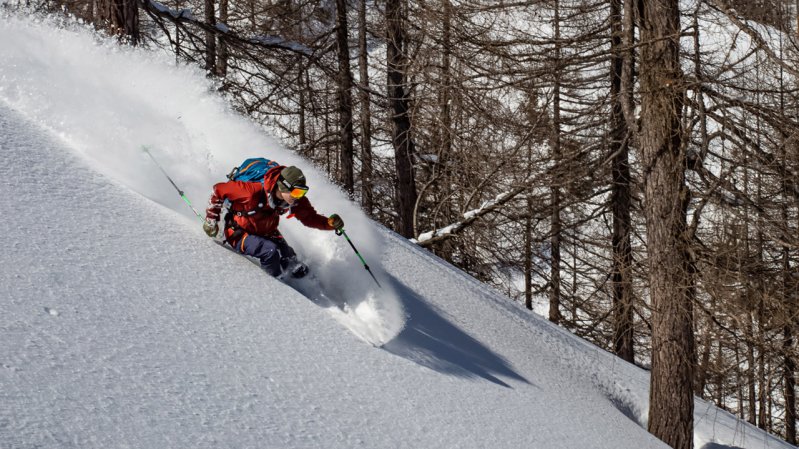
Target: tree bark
x,y
367,193
222,54
789,376
302,132
788,285
620,199
528,256
704,361
346,155
761,329
400,117
210,38
123,19
555,315
177,35
751,378
630,18
671,400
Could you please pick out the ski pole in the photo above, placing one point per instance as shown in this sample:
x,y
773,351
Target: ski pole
x,y
180,192
341,232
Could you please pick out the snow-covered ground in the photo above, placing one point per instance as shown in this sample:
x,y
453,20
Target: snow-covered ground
x,y
123,325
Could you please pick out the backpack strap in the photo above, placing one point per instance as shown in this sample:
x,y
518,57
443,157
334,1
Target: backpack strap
x,y
237,234
238,231
260,208
243,213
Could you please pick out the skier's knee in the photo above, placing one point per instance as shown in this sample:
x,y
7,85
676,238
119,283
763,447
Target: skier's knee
x,y
270,262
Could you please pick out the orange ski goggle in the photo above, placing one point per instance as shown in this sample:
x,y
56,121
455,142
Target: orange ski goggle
x,y
296,191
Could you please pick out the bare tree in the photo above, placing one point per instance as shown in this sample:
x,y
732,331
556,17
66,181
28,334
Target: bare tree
x,y
400,118
671,402
346,154
222,52
555,143
511,149
367,192
122,19
210,37
620,136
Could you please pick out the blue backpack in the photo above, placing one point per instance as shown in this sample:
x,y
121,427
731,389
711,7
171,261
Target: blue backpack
x,y
252,170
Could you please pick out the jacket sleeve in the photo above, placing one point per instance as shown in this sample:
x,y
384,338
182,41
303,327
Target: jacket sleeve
x,y
308,216
214,206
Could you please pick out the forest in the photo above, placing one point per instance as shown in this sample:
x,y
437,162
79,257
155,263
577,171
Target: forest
x,y
627,168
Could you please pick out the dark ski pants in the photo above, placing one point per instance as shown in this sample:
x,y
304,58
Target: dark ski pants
x,y
273,252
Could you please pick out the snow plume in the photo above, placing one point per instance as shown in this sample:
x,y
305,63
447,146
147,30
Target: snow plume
x,y
113,334
130,97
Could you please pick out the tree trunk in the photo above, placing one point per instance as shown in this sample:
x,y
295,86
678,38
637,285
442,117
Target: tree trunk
x,y
620,199
301,129
123,19
177,35
671,399
222,56
789,382
703,129
528,255
210,38
400,118
555,315
761,329
788,285
719,377
703,365
628,65
367,193
739,386
346,156
751,377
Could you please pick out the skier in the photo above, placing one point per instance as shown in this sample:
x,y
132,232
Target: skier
x,y
254,211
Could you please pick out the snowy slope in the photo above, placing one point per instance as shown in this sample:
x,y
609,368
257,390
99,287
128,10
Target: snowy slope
x,y
123,325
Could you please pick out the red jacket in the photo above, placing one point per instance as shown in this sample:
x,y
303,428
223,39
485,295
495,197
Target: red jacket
x,y
249,202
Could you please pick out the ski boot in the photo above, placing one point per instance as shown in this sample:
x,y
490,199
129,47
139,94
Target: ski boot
x,y
299,270
294,268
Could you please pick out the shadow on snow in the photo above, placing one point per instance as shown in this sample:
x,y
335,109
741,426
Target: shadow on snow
x,y
433,342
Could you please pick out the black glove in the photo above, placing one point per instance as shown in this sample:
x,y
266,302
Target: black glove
x,y
211,228
335,222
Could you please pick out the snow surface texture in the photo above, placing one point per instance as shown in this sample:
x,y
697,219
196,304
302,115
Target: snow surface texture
x,y
124,326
